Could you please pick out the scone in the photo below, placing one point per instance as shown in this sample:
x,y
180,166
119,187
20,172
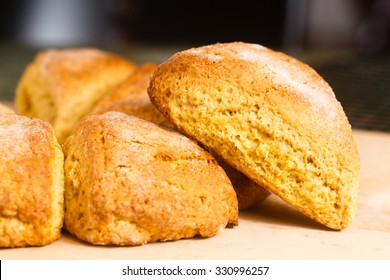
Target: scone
x,y
62,86
5,109
248,192
130,182
269,116
131,98
133,87
31,184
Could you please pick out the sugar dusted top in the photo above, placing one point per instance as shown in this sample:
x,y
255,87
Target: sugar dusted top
x,y
18,134
280,68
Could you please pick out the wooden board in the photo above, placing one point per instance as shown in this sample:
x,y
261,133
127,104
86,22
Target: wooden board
x,y
272,230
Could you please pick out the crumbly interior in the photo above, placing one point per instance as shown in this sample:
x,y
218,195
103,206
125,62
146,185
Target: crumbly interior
x,y
131,98
291,137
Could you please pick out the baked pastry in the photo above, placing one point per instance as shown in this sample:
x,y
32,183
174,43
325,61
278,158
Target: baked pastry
x,y
248,192
130,182
32,182
139,107
62,86
5,109
133,87
269,116
131,98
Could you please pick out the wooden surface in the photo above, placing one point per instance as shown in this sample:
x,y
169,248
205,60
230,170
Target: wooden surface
x,y
272,230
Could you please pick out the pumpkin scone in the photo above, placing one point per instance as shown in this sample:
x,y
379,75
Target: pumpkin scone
x,y
31,184
271,117
130,182
63,85
131,98
134,87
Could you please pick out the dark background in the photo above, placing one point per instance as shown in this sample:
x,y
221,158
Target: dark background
x,y
346,41
287,24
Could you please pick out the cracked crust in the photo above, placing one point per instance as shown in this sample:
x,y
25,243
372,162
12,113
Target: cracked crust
x,y
131,98
271,117
130,182
31,184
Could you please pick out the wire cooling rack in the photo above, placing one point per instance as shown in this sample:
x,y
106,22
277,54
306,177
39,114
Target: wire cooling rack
x,y
362,85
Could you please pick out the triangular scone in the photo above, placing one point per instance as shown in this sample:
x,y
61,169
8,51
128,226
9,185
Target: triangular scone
x,y
31,182
63,85
134,87
130,182
131,97
271,117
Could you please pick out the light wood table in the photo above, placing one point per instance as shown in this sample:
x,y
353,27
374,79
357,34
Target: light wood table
x,y
272,230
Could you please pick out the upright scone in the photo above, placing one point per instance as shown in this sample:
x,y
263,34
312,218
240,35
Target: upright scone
x,y
131,97
130,182
63,85
31,184
271,117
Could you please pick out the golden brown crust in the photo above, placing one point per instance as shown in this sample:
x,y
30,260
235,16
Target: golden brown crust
x,y
139,107
62,86
131,98
271,117
248,192
129,182
32,182
134,87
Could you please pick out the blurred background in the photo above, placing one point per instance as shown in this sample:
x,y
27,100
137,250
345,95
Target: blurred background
x,y
347,42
